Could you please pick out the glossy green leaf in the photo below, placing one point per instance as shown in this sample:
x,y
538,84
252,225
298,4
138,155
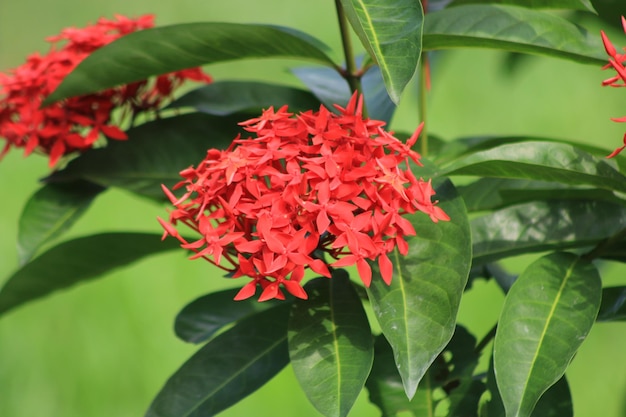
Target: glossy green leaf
x,y
149,52
391,31
330,344
534,4
448,384
331,88
511,28
377,100
229,367
387,392
326,84
541,161
77,260
202,318
555,402
417,312
547,314
454,149
541,226
613,307
223,98
50,212
154,154
496,193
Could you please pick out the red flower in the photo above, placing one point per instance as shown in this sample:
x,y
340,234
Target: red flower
x,y
616,61
77,123
305,187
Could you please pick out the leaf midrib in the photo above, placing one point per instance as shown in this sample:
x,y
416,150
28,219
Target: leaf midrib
x,y
544,331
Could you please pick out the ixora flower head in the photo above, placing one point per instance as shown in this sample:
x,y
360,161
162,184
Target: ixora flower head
x,y
77,123
305,187
616,62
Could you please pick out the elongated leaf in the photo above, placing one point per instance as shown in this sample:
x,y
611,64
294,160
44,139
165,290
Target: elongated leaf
x,y
541,226
154,154
377,100
327,85
448,381
330,344
331,88
613,307
149,52
457,148
77,260
510,28
541,161
391,31
205,316
546,315
534,4
417,312
50,212
228,368
224,98
387,392
495,193
555,402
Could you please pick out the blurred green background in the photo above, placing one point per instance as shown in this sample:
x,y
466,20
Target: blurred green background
x,y
104,349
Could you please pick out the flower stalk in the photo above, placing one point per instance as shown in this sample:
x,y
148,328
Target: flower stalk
x,y
351,74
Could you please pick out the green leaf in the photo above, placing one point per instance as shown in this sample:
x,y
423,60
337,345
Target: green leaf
x,y
327,85
387,392
391,31
330,344
224,98
203,317
417,312
50,212
543,161
613,307
229,367
448,381
541,226
75,261
511,28
555,402
154,153
457,148
149,52
546,315
534,4
331,88
496,193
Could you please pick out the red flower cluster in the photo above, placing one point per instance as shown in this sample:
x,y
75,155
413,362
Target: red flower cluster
x,y
305,186
76,123
616,61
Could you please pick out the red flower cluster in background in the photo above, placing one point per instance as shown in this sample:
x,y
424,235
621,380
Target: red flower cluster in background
x,y
307,186
616,61
76,123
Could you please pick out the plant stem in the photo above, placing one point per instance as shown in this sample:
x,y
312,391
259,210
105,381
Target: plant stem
x,y
423,102
351,75
605,244
486,339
